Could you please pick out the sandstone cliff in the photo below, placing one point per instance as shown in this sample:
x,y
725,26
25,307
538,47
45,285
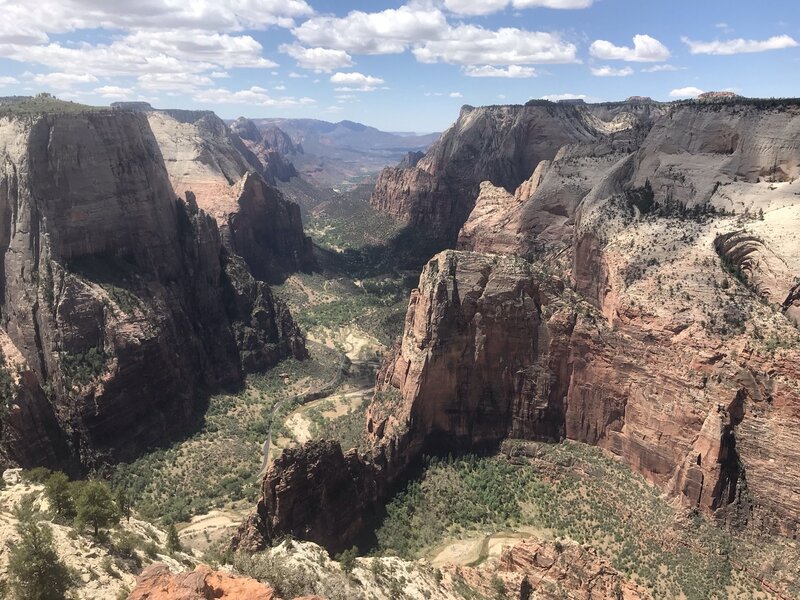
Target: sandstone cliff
x,y
638,296
120,305
503,145
227,180
271,147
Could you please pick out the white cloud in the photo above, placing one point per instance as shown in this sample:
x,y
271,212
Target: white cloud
x,y
607,71
456,95
319,60
740,45
390,31
356,82
6,80
471,45
63,81
559,4
485,7
254,95
30,22
173,82
662,69
645,49
558,97
686,92
146,52
294,75
220,75
114,92
280,88
511,72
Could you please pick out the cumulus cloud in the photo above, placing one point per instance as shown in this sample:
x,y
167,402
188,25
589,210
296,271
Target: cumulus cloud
x,y
607,71
456,95
6,80
662,69
319,60
424,29
173,82
31,22
485,7
389,31
471,45
645,49
149,36
63,81
740,45
686,92
114,92
511,72
356,82
146,52
558,97
255,95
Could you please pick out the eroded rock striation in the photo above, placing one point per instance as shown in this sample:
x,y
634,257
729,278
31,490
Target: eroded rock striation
x,y
120,303
502,145
157,582
232,184
633,290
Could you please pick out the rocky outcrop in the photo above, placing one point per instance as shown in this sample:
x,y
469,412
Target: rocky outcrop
x,y
315,493
593,305
271,147
157,582
232,184
120,301
551,570
502,145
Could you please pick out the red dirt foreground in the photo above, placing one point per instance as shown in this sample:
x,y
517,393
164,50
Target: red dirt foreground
x,y
157,582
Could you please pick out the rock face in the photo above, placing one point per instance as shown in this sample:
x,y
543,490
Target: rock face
x,y
120,304
157,583
271,147
500,144
314,493
227,180
567,570
614,299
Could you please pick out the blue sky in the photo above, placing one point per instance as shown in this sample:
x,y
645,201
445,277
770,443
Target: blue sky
x,y
400,66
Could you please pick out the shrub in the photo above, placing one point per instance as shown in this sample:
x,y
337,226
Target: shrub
x,y
34,567
95,506
173,541
58,493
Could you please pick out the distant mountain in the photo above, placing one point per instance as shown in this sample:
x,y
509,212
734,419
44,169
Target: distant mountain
x,y
340,155
326,139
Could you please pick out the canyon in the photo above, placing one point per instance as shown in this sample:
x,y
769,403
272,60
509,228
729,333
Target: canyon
x,y
123,304
623,277
613,301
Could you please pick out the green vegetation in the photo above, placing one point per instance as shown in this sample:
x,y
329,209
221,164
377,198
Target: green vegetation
x,y
84,367
173,541
575,492
7,387
219,464
42,104
34,568
95,506
59,494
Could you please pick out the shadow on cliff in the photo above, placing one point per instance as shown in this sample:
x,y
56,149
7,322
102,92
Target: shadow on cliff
x,y
409,250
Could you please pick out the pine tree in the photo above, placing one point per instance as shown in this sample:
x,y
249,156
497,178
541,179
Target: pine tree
x,y
34,568
57,491
95,506
173,541
123,504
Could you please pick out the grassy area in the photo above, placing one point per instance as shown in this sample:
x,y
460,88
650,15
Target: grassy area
x,y
42,104
219,465
576,492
